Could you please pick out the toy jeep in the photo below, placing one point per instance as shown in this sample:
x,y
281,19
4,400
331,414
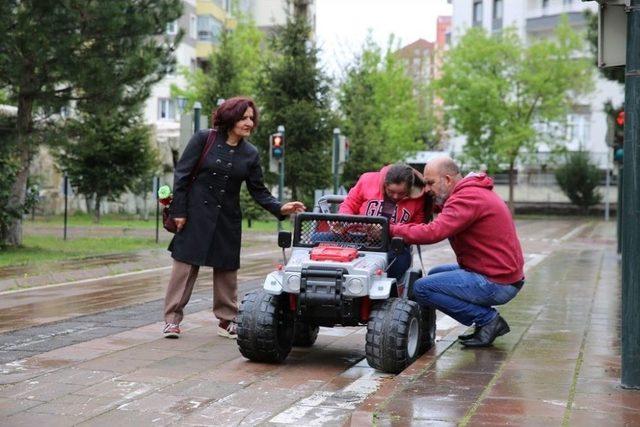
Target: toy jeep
x,y
336,275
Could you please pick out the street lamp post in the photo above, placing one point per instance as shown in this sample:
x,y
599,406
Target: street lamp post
x,y
336,160
196,116
630,230
281,176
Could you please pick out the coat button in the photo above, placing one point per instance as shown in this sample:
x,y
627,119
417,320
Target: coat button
x,y
210,187
231,151
221,191
218,161
219,206
226,177
214,174
205,202
229,164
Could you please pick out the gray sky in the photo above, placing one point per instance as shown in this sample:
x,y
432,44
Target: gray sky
x,y
342,25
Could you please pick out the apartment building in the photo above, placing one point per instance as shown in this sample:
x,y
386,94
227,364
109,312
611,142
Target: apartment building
x,y
533,19
203,22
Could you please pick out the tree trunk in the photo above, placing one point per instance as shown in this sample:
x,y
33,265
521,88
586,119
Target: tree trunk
x,y
512,179
88,201
97,209
18,190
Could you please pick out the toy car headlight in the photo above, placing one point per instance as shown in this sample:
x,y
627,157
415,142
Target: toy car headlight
x,y
355,286
293,282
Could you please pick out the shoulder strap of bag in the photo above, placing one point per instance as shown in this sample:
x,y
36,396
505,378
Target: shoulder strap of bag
x,y
211,138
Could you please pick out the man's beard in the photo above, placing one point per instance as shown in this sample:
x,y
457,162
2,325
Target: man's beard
x,y
439,200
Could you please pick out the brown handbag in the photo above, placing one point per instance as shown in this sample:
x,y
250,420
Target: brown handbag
x,y
167,222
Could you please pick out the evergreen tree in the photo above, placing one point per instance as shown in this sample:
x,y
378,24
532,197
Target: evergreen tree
x,y
106,154
293,91
91,52
579,178
381,116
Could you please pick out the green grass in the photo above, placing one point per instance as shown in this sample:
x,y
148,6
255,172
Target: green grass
x,y
132,222
41,249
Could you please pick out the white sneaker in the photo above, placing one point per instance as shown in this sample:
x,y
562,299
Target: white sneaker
x,y
228,329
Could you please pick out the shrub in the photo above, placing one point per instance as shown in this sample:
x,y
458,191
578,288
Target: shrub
x,y
579,178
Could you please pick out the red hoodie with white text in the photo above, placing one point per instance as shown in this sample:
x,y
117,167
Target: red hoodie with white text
x,y
367,196
479,227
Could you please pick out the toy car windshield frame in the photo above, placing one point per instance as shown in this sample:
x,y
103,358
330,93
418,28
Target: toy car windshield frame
x,y
366,233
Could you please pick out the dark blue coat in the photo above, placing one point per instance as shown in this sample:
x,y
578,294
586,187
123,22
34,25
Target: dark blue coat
x,y
211,205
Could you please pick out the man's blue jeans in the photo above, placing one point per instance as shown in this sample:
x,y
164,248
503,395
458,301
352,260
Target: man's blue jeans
x,y
462,294
399,264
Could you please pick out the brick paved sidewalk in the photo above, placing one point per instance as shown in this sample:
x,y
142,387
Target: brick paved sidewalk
x,y
560,365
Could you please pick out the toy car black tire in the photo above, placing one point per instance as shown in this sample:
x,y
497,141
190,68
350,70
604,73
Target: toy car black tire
x,y
265,327
393,335
304,335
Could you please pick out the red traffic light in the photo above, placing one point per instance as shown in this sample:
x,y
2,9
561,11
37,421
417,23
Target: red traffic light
x,y
276,141
620,118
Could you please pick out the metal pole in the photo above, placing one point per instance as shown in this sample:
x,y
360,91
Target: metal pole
x,y
65,182
631,206
336,148
196,116
606,197
619,210
281,177
156,186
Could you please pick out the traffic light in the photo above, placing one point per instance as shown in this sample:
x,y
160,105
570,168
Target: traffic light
x,y
276,145
618,135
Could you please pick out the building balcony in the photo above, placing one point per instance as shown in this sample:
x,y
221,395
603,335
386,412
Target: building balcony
x,y
548,23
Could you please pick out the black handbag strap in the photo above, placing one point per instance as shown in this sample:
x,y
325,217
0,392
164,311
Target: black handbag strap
x,y
211,139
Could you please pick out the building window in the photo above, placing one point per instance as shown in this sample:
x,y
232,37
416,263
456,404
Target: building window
x,y
193,27
477,13
545,4
166,109
497,9
209,29
172,28
579,130
567,2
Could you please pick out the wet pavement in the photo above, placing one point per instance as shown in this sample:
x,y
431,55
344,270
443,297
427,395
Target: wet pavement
x,y
560,365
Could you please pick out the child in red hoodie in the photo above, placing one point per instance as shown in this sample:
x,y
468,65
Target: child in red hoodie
x,y
483,236
395,192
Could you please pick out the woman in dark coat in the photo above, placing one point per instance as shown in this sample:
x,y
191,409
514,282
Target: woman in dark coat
x,y
207,212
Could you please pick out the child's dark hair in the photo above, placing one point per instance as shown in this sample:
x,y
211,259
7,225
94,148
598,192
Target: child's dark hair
x,y
400,173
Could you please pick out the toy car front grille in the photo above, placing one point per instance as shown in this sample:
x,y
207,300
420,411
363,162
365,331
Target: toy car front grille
x,y
365,233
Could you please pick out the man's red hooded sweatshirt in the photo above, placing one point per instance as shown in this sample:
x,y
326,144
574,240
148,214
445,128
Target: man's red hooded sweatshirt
x,y
479,227
367,196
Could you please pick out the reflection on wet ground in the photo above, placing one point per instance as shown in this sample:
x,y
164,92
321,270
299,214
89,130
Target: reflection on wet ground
x,y
560,365
84,263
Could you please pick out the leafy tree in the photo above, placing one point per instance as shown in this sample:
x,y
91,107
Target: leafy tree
x,y
107,154
611,73
233,68
496,90
53,52
381,116
294,92
380,113
579,178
